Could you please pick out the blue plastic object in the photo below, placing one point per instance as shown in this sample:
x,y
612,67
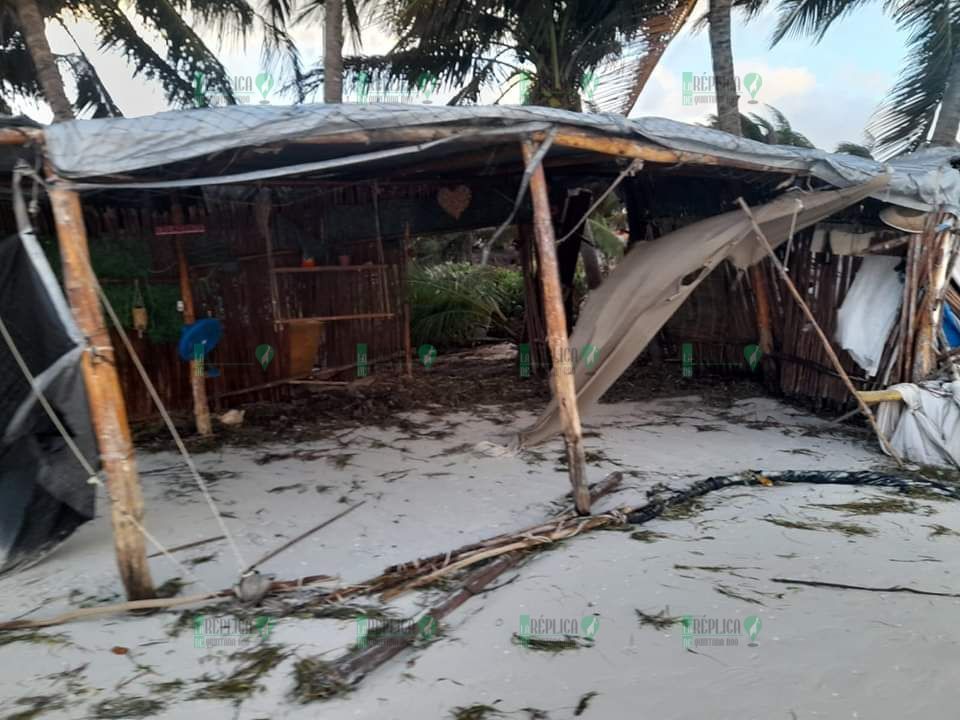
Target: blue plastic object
x,y
951,326
206,333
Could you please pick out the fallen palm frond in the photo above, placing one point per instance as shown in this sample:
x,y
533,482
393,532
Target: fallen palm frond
x,y
401,578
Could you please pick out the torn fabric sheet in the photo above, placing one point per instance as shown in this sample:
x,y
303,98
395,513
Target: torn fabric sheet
x,y
870,310
621,316
925,427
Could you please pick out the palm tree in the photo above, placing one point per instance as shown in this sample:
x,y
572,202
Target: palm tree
x,y
472,44
925,101
724,81
28,67
330,74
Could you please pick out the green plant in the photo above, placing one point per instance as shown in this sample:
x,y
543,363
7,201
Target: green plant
x,y
459,303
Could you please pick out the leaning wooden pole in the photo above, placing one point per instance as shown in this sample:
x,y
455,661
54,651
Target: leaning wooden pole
x,y
107,408
823,338
564,389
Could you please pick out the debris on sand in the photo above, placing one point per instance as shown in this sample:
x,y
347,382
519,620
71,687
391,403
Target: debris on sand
x,y
315,679
244,681
126,707
848,529
660,621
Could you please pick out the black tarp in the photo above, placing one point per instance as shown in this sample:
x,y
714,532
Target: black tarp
x,y
44,493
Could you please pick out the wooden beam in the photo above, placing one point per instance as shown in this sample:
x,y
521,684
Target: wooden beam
x,y
820,334
564,389
198,380
20,136
107,408
628,148
872,397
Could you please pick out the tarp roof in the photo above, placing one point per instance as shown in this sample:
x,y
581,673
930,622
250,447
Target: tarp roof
x,y
86,149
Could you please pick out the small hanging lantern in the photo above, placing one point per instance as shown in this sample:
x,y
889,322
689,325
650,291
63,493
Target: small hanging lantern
x,y
139,310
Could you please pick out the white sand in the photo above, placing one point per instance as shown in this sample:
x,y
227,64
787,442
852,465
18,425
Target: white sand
x,y
821,653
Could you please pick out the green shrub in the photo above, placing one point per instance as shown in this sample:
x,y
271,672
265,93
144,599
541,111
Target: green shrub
x,y
455,304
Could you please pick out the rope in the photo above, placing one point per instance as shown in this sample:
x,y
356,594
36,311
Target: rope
x,y
241,563
521,191
87,468
632,168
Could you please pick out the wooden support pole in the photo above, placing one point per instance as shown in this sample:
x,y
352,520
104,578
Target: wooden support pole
x,y
758,280
107,408
823,338
198,380
925,352
564,389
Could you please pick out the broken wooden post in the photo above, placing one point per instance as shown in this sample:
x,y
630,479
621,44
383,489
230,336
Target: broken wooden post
x,y
198,379
107,408
823,338
925,352
564,389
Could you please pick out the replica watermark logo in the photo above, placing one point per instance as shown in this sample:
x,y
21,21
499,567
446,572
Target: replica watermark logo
x,y
564,358
703,631
246,90
380,631
264,354
363,369
702,90
752,355
365,87
230,631
427,354
557,629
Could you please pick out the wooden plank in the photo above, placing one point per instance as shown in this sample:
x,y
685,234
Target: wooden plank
x,y
878,396
330,268
362,316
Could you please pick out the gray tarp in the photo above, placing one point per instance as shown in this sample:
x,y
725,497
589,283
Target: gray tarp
x,y
621,316
91,148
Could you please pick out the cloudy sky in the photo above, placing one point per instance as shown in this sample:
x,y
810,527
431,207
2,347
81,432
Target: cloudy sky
x,y
827,91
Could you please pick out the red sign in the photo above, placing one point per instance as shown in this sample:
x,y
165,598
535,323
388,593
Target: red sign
x,y
179,230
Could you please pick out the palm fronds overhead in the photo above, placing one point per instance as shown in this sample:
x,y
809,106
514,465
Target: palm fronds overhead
x,y
854,149
124,26
554,48
775,131
619,81
905,118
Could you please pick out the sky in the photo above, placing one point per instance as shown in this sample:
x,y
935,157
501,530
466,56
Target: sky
x,y
827,90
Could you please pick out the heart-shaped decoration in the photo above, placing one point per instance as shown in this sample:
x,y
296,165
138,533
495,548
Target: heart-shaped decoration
x,y
454,200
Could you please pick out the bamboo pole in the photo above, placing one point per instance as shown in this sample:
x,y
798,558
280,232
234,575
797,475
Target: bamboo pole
x,y
564,388
198,380
823,338
104,395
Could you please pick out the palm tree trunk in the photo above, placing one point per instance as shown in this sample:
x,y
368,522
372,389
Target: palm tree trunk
x,y
333,51
948,122
31,20
728,114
